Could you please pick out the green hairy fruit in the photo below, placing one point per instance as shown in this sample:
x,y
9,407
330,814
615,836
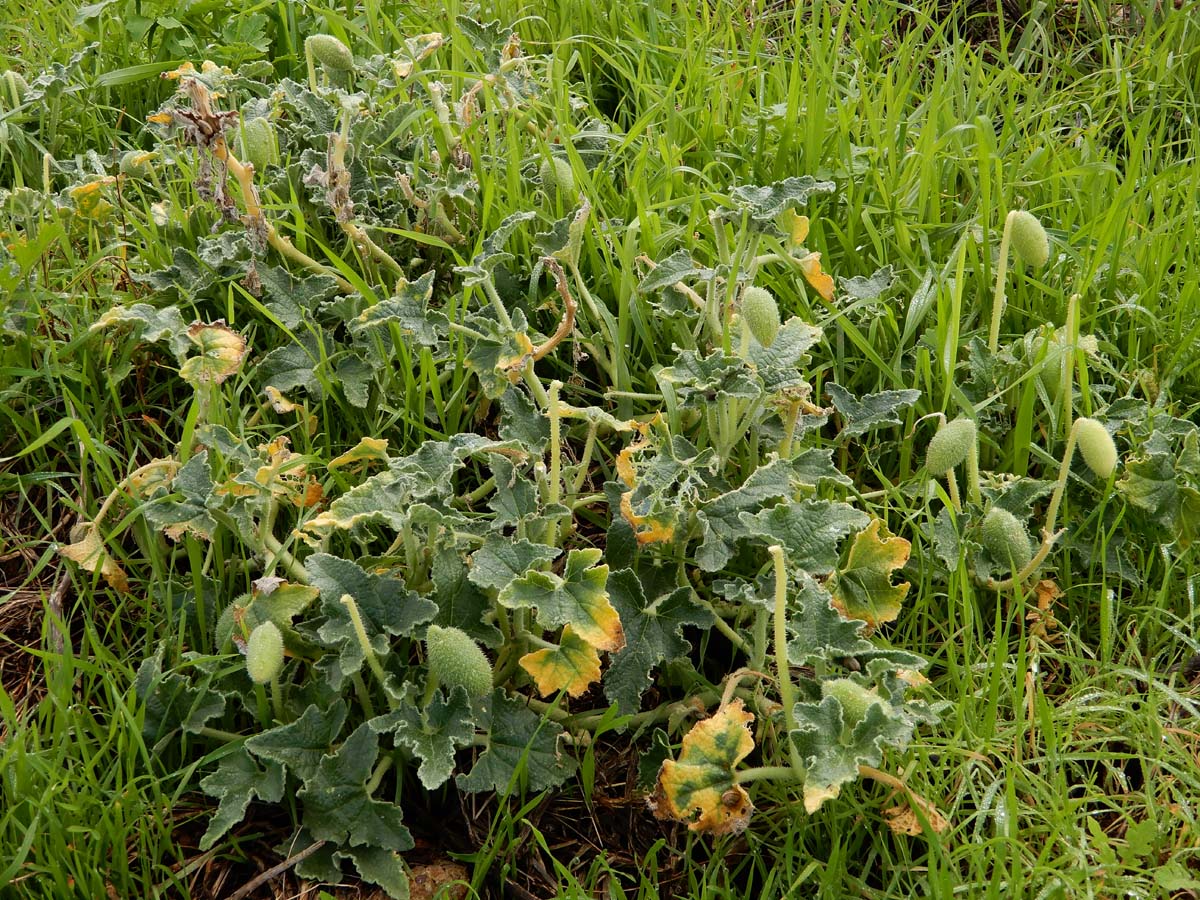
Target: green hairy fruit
x,y
455,660
855,698
264,653
760,313
137,163
556,174
1097,447
950,446
330,52
1005,538
12,88
1029,238
258,143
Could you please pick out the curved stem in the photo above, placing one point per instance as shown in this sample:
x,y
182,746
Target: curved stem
x,y
952,489
973,487
787,694
1001,274
1068,363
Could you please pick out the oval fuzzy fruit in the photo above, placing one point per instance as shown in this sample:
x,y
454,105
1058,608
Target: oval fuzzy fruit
x,y
950,446
1097,447
330,52
12,88
1029,238
760,312
556,174
264,653
1005,538
855,698
456,661
136,163
258,143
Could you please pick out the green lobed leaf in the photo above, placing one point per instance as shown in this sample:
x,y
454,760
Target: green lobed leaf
x,y
677,267
517,739
291,299
337,806
515,498
378,866
832,749
386,497
720,518
385,605
492,251
808,530
409,311
174,701
579,598
300,745
700,382
498,356
653,632
186,509
861,414
501,560
148,325
763,203
778,366
237,780
460,603
433,733
870,288
819,634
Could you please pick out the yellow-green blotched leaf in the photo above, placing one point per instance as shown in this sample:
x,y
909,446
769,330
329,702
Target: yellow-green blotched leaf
x,y
864,589
698,788
578,597
369,449
821,281
89,553
221,353
571,666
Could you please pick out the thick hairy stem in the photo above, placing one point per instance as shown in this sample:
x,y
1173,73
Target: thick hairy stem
x,y
973,486
1049,535
338,144
952,488
245,179
1068,362
568,319
1001,274
364,642
787,692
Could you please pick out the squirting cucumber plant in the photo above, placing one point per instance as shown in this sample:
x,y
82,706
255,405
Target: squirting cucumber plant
x,y
569,529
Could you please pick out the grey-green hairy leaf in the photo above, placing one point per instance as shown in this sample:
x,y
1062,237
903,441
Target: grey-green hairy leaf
x,y
517,740
861,414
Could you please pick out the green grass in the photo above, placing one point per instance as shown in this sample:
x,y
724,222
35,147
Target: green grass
x,y
1067,767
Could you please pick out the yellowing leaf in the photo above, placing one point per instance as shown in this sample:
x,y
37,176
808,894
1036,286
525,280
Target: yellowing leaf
x,y
822,283
578,597
794,226
699,787
654,531
221,353
89,553
153,477
369,449
816,794
571,666
863,589
903,819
